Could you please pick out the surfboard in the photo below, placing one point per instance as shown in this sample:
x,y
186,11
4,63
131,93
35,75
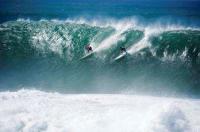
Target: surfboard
x,y
120,56
87,56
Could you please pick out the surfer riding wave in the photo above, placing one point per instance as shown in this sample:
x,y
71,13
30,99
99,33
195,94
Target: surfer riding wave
x,y
89,48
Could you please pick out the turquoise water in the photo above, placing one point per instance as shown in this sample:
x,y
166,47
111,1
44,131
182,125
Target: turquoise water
x,y
41,44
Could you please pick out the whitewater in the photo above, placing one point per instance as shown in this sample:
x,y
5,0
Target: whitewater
x,y
33,110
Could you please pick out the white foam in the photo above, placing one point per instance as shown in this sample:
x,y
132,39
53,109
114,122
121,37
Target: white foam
x,y
119,23
31,110
153,30
104,22
112,39
108,42
173,57
120,27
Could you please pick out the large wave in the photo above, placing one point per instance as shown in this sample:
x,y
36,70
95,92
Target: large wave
x,y
37,49
67,38
32,110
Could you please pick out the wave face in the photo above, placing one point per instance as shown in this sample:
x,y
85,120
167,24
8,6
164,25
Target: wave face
x,y
47,54
96,113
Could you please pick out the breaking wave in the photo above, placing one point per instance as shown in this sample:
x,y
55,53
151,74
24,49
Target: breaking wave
x,y
68,38
165,56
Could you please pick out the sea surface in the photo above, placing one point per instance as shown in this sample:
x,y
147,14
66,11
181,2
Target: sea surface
x,y
154,87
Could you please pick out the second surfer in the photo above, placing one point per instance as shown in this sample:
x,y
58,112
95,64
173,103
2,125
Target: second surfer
x,y
88,48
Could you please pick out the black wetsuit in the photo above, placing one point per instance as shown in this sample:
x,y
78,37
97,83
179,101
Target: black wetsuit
x,y
89,48
123,49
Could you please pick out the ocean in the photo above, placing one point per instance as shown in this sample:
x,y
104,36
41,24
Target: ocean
x,y
155,86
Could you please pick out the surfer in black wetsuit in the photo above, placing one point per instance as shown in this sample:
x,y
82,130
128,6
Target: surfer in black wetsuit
x,y
89,48
123,49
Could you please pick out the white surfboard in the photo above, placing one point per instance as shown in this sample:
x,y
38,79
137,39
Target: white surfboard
x,y
87,55
120,56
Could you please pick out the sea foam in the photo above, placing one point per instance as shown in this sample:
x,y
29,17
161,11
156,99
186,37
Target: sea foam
x,y
33,111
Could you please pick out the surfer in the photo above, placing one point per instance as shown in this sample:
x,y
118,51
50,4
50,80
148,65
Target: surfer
x,y
89,48
123,49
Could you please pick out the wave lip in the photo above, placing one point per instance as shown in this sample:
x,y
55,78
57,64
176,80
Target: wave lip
x,y
32,110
